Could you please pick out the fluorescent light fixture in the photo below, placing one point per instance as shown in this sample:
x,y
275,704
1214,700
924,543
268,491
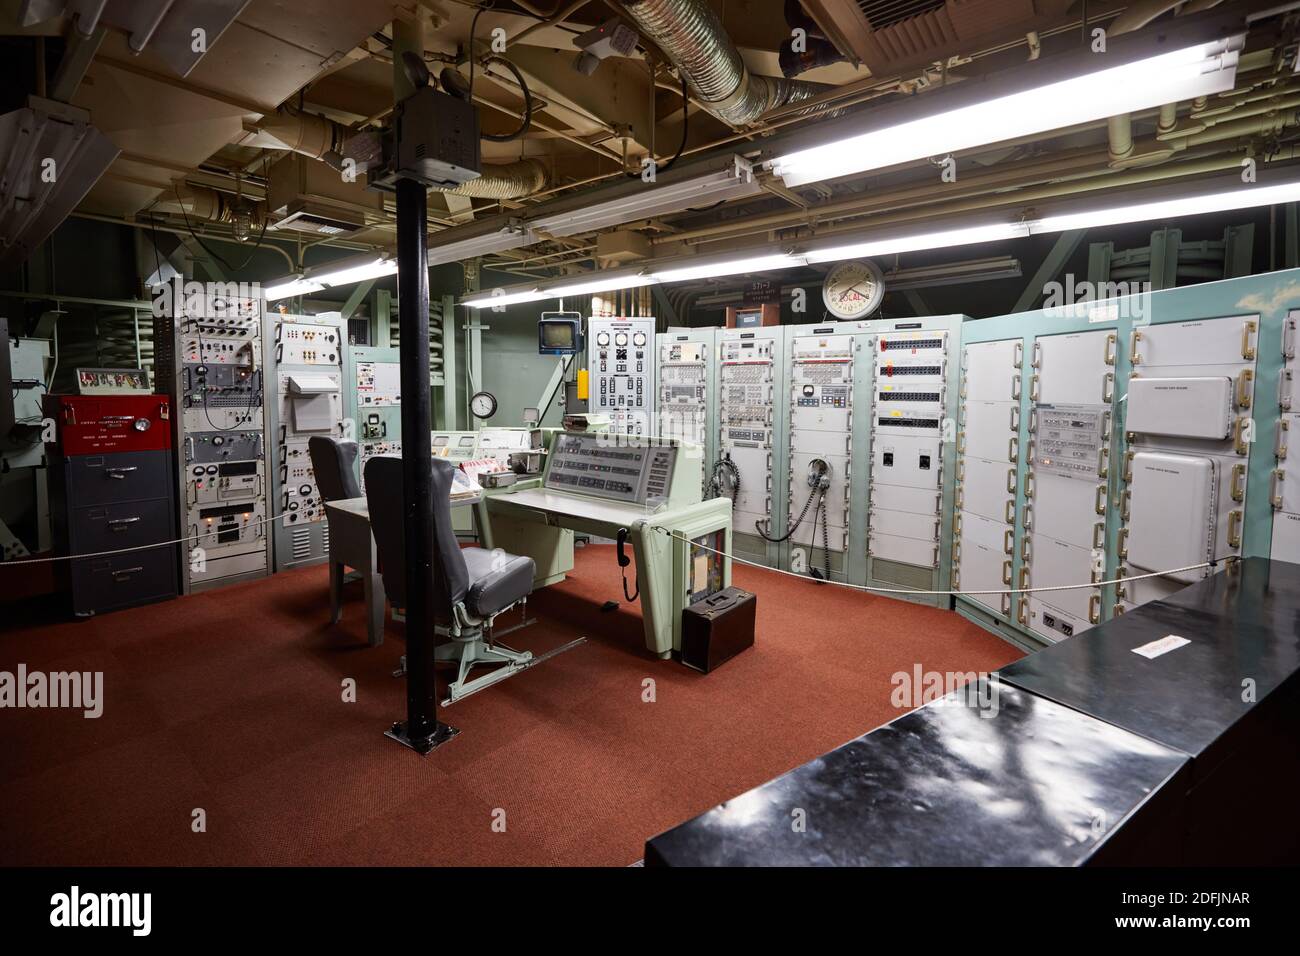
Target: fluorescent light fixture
x,y
501,297
1202,69
342,274
1243,197
290,287
599,285
922,240
734,181
1220,195
730,267
514,235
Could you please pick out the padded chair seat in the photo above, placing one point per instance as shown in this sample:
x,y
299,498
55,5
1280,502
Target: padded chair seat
x,y
496,580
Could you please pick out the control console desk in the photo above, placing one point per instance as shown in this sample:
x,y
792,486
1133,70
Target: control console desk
x,y
601,484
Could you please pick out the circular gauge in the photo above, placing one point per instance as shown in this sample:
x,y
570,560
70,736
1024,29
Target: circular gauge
x,y
602,338
483,405
638,338
853,290
141,424
620,338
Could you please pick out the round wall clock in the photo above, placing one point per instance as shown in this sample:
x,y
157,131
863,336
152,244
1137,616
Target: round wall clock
x,y
853,290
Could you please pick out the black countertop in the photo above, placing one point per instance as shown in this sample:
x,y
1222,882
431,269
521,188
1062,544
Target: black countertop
x,y
992,776
1243,625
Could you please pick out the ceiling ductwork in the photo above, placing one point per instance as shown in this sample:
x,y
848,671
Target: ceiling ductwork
x,y
320,138
51,156
506,181
179,32
889,36
691,35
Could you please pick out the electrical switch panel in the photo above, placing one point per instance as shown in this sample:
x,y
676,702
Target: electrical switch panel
x,y
988,438
684,388
1072,389
907,424
748,364
306,363
209,359
375,403
621,365
821,448
1190,434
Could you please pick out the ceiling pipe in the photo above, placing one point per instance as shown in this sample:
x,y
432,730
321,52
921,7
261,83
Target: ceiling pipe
x,y
322,139
691,35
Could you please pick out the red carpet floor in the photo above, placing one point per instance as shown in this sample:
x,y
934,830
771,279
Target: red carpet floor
x,y
231,702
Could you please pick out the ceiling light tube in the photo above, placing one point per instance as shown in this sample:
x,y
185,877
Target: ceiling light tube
x,y
513,236
336,274
1201,69
734,181
1242,197
500,297
730,267
609,284
291,286
941,239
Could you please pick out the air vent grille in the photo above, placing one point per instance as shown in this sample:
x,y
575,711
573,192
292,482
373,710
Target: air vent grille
x,y
885,13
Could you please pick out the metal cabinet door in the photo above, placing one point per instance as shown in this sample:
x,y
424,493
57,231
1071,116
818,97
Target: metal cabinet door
x,y
911,461
989,371
1226,340
1066,509
1056,563
986,487
1072,369
990,430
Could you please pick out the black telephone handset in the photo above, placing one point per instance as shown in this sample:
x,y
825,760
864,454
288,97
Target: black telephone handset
x,y
623,562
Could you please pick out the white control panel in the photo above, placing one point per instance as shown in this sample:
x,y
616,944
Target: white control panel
x,y
379,384
746,406
907,446
683,387
620,362
821,440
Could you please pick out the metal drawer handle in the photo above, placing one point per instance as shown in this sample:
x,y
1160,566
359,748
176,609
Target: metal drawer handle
x,y
1011,481
1009,541
1099,535
1275,478
1006,572
1112,343
1013,449
1022,615
1247,349
118,524
1240,445
1103,462
1094,609
1244,381
1099,501
1234,529
1238,486
1009,511
126,573
1133,357
120,472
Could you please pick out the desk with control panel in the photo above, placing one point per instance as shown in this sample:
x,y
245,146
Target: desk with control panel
x,y
643,490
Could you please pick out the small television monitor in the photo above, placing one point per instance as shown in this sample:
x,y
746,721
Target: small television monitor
x,y
559,333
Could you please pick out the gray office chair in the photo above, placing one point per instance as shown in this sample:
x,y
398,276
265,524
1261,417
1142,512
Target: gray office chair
x,y
472,586
334,461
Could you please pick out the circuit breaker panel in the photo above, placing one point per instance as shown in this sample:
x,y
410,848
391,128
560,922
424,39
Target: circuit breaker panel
x,y
621,363
687,380
1189,429
1284,494
306,361
210,361
907,422
376,403
821,396
1071,391
749,405
988,430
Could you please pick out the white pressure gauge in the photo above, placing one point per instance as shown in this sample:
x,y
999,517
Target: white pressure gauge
x,y
853,290
483,404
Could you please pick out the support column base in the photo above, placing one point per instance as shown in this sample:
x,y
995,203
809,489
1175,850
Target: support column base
x,y
424,744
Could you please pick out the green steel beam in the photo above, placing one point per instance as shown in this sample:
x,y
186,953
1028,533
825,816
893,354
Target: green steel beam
x,y
1051,267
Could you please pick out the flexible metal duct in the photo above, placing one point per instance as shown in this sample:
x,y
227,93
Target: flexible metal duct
x,y
691,34
506,181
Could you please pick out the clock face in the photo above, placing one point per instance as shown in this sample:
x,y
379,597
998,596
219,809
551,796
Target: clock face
x,y
853,290
483,405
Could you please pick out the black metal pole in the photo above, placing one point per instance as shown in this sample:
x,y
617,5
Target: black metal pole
x,y
422,730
